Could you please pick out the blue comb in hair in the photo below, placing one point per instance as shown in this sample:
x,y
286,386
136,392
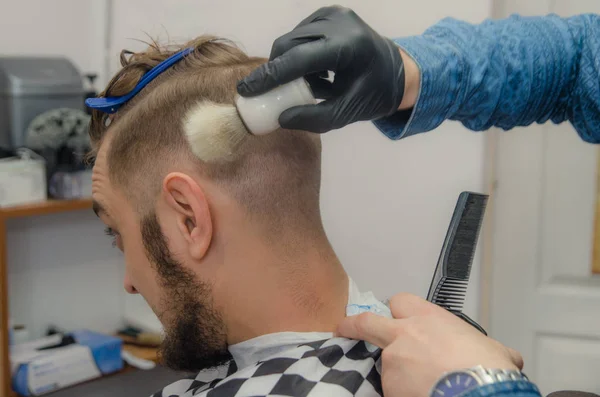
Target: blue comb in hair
x,y
112,104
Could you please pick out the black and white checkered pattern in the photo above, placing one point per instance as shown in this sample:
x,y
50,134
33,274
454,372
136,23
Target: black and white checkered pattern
x,y
331,367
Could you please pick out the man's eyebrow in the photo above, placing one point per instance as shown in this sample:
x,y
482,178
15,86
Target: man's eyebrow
x,y
98,208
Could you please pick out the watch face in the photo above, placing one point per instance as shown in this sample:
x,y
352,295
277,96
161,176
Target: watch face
x,y
454,384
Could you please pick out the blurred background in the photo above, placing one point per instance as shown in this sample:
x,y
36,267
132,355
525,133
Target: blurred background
x,y
386,204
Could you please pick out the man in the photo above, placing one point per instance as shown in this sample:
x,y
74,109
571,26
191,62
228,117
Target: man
x,y
230,255
503,73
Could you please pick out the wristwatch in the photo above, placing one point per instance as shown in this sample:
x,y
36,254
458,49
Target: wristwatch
x,y
458,382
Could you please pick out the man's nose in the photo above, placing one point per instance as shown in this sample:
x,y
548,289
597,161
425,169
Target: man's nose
x,y
129,286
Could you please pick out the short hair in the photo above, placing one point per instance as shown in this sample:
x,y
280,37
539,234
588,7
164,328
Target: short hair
x,y
276,176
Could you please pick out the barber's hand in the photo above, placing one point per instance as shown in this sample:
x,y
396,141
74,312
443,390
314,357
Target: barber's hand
x,y
369,71
422,343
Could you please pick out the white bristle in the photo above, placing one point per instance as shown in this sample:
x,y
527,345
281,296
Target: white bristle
x,y
214,130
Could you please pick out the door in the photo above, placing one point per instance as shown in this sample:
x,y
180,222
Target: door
x,y
544,299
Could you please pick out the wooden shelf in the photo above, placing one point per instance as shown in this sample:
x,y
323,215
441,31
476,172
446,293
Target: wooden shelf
x,y
19,211
121,384
45,208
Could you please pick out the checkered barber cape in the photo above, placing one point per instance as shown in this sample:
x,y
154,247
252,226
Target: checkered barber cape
x,y
327,367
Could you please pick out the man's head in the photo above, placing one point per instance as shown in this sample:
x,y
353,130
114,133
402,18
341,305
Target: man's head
x,y
193,232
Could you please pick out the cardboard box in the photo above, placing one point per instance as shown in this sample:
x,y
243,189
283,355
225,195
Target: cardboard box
x,y
36,372
22,179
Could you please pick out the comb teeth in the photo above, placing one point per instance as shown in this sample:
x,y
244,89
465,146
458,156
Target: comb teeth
x,y
450,294
466,232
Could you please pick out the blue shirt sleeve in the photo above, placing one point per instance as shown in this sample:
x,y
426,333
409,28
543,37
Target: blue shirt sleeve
x,y
505,73
505,389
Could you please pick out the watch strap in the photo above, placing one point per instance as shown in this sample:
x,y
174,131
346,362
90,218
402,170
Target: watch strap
x,y
488,376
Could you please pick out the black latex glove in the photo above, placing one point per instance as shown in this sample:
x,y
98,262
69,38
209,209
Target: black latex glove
x,y
369,73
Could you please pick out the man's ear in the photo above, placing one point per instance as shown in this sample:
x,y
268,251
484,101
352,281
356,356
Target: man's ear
x,y
185,196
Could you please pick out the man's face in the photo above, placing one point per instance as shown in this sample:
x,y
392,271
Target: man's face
x,y
194,331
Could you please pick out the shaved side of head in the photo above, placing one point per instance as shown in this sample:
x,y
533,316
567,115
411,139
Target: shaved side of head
x,y
276,176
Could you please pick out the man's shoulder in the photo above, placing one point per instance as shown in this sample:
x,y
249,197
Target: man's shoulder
x,y
330,367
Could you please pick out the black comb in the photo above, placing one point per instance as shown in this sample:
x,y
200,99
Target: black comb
x,y
451,278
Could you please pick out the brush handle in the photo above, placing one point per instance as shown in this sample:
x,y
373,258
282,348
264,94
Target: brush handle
x,y
260,114
470,321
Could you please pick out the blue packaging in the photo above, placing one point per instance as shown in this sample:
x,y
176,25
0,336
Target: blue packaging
x,y
36,372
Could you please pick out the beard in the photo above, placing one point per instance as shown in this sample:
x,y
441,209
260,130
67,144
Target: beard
x,y
195,332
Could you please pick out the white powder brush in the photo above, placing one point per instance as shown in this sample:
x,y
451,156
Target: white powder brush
x,y
215,130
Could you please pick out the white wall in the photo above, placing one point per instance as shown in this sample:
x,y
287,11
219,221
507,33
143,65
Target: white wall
x,y
68,28
386,204
63,271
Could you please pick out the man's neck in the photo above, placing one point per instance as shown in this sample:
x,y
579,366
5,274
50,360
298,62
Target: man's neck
x,y
298,287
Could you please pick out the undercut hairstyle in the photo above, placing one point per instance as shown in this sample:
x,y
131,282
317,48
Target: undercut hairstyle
x,y
275,176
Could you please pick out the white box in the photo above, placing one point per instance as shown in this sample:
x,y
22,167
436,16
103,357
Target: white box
x,y
35,372
22,179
